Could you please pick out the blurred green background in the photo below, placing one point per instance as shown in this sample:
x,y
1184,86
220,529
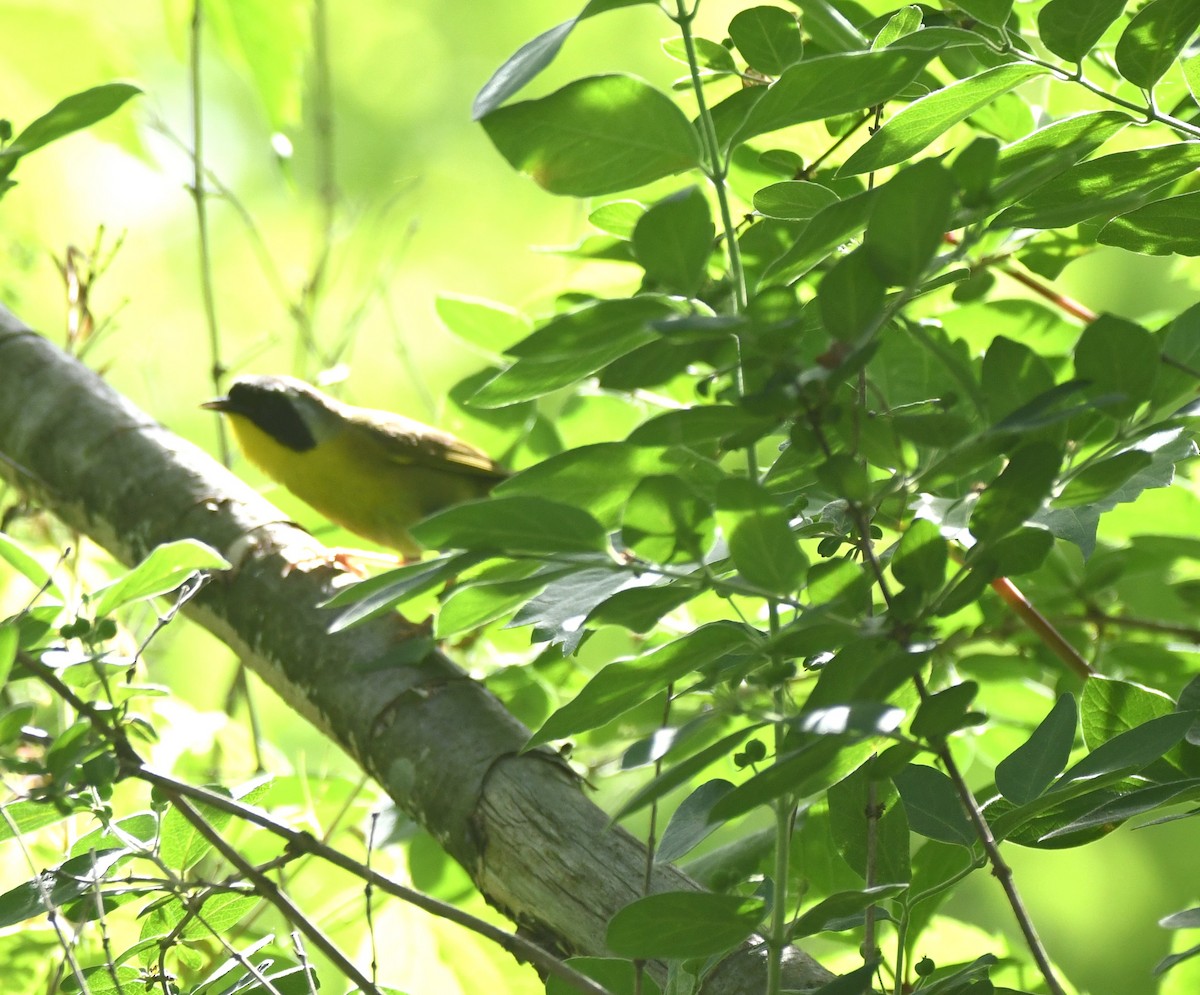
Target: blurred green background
x,y
424,206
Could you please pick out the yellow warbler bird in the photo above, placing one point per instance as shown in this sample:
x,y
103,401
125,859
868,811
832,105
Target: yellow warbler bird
x,y
374,472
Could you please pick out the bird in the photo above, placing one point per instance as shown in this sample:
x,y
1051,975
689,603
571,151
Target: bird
x,y
374,472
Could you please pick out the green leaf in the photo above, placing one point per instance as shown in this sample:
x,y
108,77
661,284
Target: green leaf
x,y
1118,357
831,85
768,38
1115,811
994,12
1098,480
1106,186
1159,228
909,221
162,571
513,525
760,540
710,55
572,346
902,23
684,771
55,888
828,913
382,593
622,685
1017,493
665,521
557,613
596,478
1013,375
673,240
490,326
868,827
9,641
1031,768
533,57
945,712
829,27
851,297
1038,157
1153,39
690,824
829,228
933,806
703,423
73,113
27,817
925,119
1112,707
21,560
921,556
1130,751
594,136
793,200
679,924
1070,28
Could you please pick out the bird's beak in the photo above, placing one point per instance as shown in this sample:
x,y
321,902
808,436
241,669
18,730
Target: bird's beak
x,y
217,404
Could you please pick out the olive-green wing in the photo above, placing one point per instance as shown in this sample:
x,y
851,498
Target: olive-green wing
x,y
410,442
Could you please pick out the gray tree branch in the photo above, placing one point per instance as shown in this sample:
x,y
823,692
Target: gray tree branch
x,y
439,743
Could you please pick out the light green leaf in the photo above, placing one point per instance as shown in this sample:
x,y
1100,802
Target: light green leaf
x,y
673,240
761,542
793,200
1158,229
926,119
902,23
1155,36
512,525
680,924
768,38
1070,28
486,324
594,136
1109,185
165,569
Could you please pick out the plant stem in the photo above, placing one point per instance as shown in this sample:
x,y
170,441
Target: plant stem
x,y
718,166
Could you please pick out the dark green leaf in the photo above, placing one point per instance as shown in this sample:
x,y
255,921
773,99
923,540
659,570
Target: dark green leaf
x,y
921,556
689,823
933,806
760,540
945,712
595,136
851,297
572,346
909,221
869,826
681,924
1153,39
56,887
665,521
684,771
703,423
1130,751
768,38
929,117
1159,228
597,478
557,613
380,594
512,525
1013,375
1030,769
798,772
1017,493
673,240
1112,813
1118,357
640,608
1099,480
830,912
829,228
1070,28
622,685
